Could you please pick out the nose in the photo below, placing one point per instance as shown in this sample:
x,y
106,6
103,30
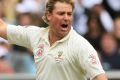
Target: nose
x,y
66,17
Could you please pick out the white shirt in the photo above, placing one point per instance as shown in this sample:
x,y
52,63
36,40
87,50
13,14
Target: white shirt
x,y
71,58
106,20
114,4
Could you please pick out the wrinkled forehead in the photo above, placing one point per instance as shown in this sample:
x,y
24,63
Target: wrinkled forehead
x,y
62,6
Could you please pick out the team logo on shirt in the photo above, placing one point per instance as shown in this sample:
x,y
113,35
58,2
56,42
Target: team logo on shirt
x,y
59,57
92,58
41,50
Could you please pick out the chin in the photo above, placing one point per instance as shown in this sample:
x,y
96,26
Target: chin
x,y
62,35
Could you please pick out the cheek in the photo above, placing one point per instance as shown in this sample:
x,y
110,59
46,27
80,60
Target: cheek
x,y
71,19
117,31
55,25
55,20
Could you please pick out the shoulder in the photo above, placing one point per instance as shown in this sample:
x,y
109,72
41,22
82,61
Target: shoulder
x,y
77,38
79,42
35,32
24,28
34,28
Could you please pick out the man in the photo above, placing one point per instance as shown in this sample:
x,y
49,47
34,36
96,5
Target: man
x,y
5,66
59,52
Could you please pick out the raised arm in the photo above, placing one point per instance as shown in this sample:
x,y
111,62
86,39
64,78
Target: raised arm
x,y
3,29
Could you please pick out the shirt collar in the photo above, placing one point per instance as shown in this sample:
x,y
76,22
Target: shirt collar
x,y
66,37
46,34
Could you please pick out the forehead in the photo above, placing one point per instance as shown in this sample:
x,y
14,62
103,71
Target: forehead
x,y
59,6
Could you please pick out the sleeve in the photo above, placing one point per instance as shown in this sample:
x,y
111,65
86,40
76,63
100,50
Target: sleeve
x,y
18,35
89,60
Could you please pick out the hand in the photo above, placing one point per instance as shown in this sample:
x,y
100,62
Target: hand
x,y
3,29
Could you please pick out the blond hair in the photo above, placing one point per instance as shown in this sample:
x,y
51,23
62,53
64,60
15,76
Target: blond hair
x,y
50,6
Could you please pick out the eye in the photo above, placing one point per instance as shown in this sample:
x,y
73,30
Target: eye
x,y
61,13
70,14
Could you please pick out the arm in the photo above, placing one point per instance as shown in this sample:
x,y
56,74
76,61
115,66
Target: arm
x,y
100,77
3,29
90,62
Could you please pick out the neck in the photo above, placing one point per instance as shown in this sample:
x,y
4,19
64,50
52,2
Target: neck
x,y
53,38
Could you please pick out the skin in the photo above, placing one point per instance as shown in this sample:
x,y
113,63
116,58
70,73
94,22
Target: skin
x,y
108,44
100,77
61,15
3,29
117,27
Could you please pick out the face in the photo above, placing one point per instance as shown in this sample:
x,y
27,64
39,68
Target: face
x,y
1,9
60,19
117,28
94,24
25,20
108,44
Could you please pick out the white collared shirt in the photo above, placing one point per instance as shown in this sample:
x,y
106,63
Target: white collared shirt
x,y
71,58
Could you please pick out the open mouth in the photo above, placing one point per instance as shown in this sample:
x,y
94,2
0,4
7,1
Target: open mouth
x,y
64,25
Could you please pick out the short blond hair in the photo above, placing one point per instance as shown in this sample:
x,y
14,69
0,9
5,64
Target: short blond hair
x,y
51,5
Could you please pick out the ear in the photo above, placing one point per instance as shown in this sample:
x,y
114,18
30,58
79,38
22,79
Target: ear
x,y
48,15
